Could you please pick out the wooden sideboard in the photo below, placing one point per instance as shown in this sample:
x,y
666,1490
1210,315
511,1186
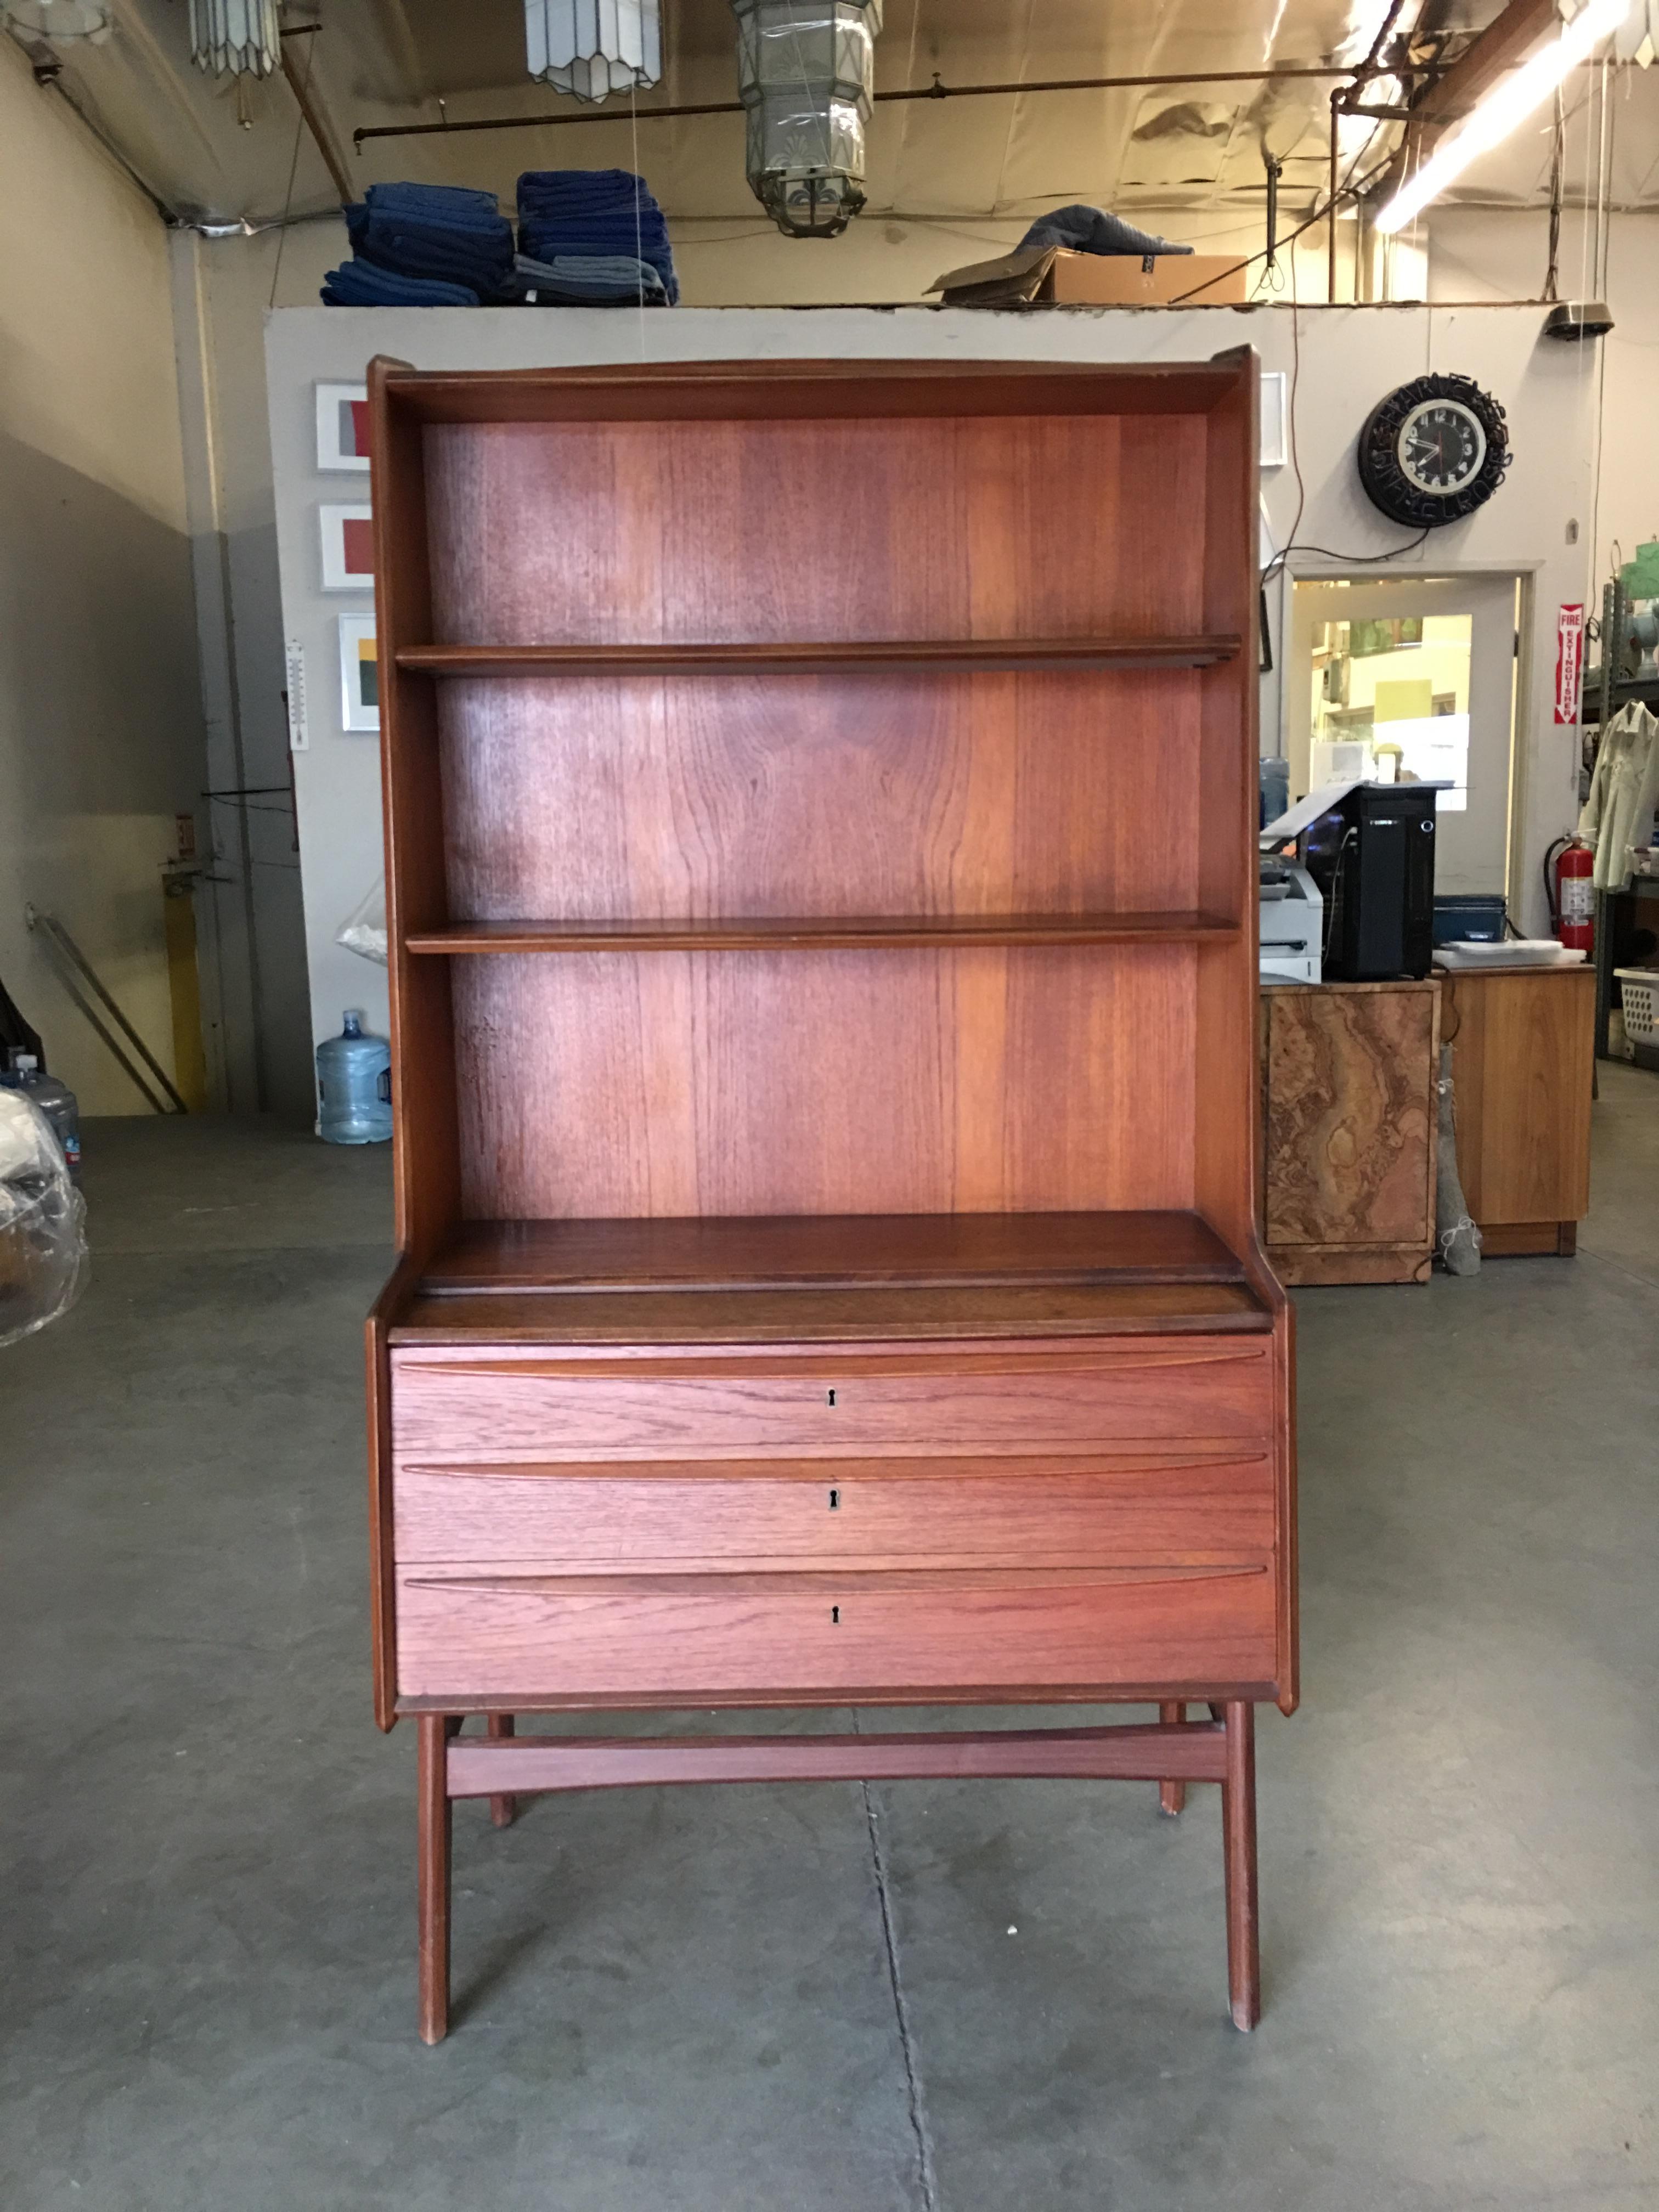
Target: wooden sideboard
x,y
1349,1130
824,1080
1523,1067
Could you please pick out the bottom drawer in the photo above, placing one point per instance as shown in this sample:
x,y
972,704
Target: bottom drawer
x,y
679,1638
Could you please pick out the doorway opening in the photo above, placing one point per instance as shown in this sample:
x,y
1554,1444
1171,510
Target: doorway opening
x,y
1413,680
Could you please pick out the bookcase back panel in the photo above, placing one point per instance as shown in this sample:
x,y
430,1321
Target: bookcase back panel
x,y
905,1082
683,532
646,797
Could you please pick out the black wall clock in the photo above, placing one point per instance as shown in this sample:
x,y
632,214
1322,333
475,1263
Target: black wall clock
x,y
1433,451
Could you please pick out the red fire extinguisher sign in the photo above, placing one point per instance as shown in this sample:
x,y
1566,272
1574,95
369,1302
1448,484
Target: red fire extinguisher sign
x,y
1569,662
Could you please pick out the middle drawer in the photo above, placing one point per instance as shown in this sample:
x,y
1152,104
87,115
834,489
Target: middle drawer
x,y
1188,1504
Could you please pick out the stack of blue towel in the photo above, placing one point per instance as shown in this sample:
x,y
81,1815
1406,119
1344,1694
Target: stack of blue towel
x,y
586,237
605,218
423,246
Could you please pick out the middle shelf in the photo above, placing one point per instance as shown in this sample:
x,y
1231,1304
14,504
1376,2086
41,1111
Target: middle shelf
x,y
821,932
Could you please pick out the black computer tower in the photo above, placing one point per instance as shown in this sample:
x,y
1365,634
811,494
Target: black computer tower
x,y
1372,857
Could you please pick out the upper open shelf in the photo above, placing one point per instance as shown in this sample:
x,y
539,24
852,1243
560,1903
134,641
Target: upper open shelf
x,y
964,656
821,932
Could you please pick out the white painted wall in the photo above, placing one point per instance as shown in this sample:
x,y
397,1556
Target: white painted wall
x,y
1500,253
100,731
1348,358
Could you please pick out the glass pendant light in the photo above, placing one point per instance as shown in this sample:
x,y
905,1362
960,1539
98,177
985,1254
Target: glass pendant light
x,y
238,37
58,18
805,74
594,47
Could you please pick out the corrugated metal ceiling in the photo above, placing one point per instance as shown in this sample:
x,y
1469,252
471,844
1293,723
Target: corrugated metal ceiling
x,y
213,146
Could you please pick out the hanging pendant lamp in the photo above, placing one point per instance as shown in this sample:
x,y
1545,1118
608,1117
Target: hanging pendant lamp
x,y
56,20
806,72
594,47
235,38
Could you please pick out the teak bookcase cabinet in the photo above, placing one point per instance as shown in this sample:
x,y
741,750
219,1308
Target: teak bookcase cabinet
x,y
819,809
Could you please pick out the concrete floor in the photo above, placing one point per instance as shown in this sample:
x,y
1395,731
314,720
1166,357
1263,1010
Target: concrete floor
x,y
709,2001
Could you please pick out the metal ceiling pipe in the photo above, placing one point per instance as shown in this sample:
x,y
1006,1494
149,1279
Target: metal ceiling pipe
x,y
1349,76
299,83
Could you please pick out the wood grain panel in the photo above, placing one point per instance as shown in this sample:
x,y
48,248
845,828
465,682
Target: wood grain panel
x,y
982,1081
943,528
1306,1264
1350,1118
829,1635
1524,1058
511,1405
426,1175
1143,1509
817,391
664,798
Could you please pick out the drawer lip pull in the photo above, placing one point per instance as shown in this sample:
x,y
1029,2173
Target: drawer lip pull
x,y
1155,1457
723,1587
963,1359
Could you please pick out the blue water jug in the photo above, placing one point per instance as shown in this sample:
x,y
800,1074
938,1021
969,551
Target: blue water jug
x,y
354,1086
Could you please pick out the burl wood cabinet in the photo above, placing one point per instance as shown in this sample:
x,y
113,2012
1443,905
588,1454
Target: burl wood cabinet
x,y
823,1049
1523,1062
1350,1125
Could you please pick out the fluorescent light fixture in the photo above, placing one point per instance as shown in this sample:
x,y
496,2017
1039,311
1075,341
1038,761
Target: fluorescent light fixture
x,y
1507,104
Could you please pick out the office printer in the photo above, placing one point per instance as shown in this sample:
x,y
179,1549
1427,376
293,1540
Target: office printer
x,y
1292,923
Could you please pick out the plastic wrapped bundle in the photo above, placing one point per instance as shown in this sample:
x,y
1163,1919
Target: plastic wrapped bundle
x,y
363,929
43,1246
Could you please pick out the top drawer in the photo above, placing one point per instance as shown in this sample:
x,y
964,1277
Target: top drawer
x,y
506,1403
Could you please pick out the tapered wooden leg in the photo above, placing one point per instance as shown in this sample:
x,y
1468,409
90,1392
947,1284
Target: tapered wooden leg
x,y
1238,1837
432,1827
1171,1796
501,1809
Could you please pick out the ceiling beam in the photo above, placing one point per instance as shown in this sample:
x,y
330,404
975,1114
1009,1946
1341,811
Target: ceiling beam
x,y
1506,43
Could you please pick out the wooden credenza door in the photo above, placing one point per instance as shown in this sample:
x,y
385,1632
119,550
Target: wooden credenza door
x,y
1349,1130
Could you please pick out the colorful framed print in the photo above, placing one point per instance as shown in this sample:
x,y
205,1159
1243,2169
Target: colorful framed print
x,y
347,535
341,428
360,674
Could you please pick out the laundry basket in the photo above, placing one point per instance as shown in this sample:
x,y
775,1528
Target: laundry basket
x,y
1639,989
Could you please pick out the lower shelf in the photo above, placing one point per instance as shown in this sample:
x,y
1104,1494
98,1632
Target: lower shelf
x,y
854,1278
823,1251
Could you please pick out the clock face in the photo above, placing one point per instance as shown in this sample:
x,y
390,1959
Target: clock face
x,y
1432,451
1440,447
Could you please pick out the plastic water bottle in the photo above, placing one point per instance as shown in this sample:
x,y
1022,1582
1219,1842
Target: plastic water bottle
x,y
55,1099
353,1085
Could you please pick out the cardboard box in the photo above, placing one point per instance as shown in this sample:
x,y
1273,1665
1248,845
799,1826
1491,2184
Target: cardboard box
x,y
1045,276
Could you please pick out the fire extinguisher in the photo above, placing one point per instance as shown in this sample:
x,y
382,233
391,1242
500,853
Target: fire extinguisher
x,y
1568,865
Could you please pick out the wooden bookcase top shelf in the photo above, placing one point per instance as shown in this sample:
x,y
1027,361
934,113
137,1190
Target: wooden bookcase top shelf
x,y
825,657
821,932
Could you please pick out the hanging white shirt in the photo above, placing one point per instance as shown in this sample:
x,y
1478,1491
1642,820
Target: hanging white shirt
x,y
1624,792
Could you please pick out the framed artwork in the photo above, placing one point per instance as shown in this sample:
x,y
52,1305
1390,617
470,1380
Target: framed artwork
x,y
348,548
360,674
342,427
1274,455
